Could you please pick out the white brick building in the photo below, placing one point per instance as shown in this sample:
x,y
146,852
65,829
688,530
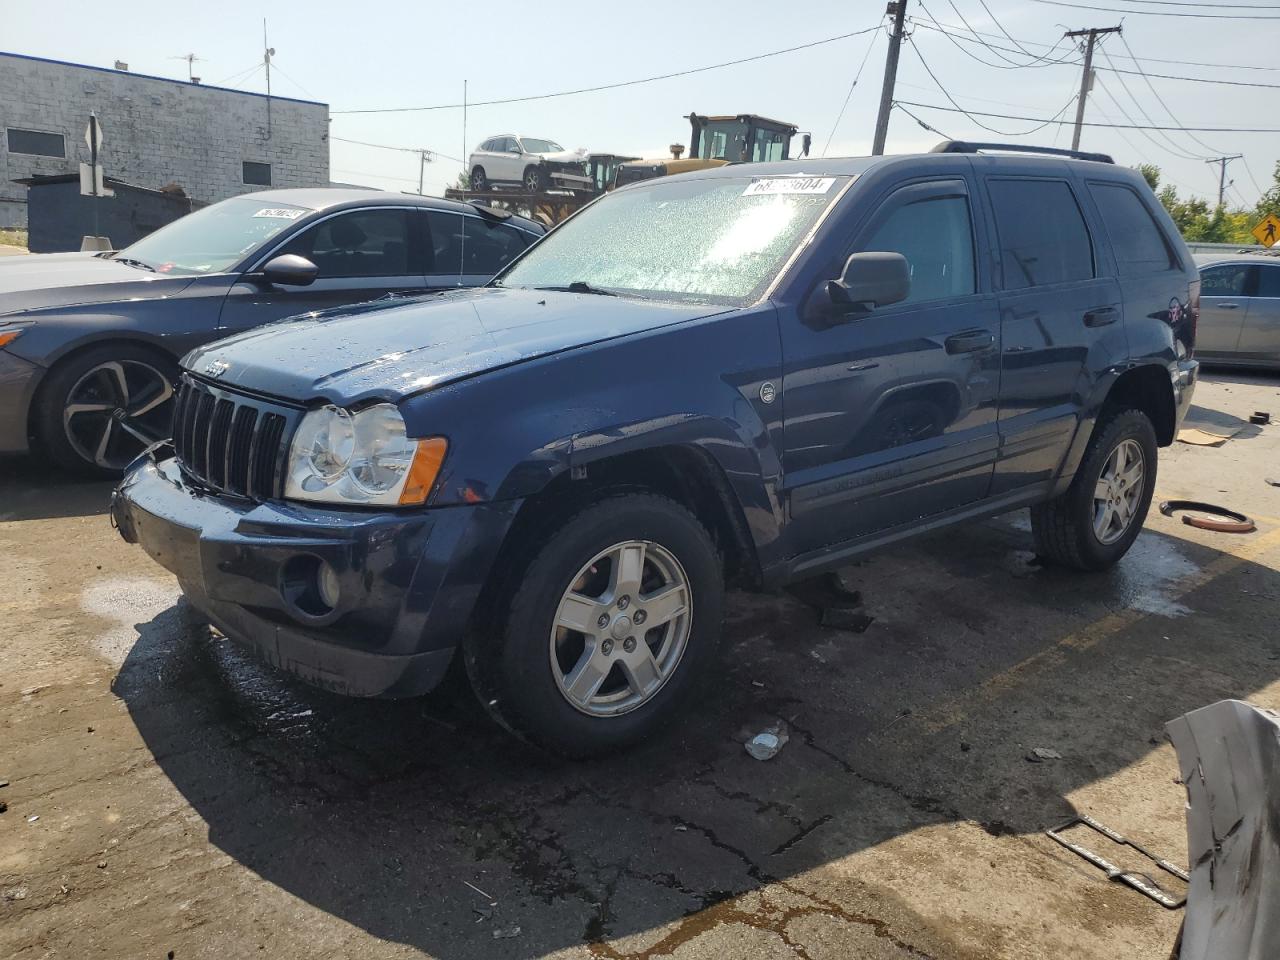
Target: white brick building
x,y
211,141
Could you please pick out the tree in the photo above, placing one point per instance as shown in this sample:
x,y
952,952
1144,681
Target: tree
x,y
1270,202
1196,220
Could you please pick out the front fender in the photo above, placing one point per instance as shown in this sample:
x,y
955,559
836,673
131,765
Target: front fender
x,y
512,431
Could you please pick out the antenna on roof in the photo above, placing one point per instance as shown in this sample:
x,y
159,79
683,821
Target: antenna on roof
x,y
192,60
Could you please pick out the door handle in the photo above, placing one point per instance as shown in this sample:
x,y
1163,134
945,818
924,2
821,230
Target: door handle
x,y
970,341
1229,306
1101,316
864,365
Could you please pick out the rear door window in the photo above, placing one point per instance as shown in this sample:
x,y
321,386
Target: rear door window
x,y
470,245
1268,281
1225,280
936,237
1042,234
1137,240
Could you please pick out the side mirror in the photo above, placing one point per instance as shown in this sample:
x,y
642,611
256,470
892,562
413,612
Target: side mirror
x,y
289,270
871,280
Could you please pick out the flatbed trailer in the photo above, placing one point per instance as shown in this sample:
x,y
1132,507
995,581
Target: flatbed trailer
x,y
548,207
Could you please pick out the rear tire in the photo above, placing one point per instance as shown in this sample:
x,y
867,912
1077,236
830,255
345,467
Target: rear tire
x,y
479,181
643,579
100,408
1093,524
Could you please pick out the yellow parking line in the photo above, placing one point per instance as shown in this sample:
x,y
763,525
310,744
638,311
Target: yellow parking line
x,y
956,709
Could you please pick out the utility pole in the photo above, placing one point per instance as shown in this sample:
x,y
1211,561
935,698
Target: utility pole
x,y
1223,182
267,54
424,157
898,10
1086,78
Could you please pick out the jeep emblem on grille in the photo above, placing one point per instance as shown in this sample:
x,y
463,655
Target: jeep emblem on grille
x,y
216,368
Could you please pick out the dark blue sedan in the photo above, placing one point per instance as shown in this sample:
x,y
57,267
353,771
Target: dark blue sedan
x,y
88,343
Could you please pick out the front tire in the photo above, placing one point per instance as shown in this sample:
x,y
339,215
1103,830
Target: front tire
x,y
1093,524
99,409
610,624
479,180
535,180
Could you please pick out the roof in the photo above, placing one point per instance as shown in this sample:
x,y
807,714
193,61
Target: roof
x,y
330,198
148,76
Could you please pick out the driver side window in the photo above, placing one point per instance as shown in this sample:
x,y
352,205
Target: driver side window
x,y
363,243
936,237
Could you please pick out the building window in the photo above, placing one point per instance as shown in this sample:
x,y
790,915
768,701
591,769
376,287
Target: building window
x,y
258,174
37,144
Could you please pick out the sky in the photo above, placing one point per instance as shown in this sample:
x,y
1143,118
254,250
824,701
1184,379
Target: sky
x,y
403,54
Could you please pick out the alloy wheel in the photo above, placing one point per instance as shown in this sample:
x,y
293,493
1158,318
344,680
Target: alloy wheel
x,y
621,628
116,410
1117,494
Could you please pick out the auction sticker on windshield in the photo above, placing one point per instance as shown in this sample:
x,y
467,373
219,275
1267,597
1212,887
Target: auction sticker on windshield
x,y
772,186
280,213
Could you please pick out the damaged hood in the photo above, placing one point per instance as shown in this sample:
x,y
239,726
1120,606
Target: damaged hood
x,y
40,280
564,156
391,349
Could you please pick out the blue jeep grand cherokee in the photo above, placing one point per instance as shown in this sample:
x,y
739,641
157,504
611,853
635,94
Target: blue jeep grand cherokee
x,y
749,374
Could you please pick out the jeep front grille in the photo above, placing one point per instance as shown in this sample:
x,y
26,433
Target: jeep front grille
x,y
229,441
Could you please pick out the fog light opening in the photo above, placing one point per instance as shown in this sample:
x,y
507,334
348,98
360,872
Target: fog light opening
x,y
310,587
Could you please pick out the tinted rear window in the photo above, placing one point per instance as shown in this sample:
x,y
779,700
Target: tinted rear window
x,y
1227,280
1268,281
1137,240
1043,238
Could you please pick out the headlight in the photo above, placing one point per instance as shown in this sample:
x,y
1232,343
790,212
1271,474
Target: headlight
x,y
361,458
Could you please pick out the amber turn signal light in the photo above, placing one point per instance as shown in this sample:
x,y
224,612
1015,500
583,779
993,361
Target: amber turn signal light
x,y
8,336
424,470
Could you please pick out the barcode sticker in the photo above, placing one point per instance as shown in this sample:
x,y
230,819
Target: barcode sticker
x,y
771,186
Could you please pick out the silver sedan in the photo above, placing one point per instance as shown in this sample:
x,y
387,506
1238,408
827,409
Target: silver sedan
x,y
1239,310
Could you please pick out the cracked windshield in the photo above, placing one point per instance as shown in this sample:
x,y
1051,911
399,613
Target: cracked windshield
x,y
714,240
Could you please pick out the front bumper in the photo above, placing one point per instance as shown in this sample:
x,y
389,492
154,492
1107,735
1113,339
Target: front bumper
x,y
18,380
407,581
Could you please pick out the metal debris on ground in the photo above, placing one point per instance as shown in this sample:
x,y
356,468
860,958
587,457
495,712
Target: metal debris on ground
x,y
1229,761
1040,754
1234,522
766,744
1141,882
838,607
477,889
15,893
1274,481
506,933
1260,417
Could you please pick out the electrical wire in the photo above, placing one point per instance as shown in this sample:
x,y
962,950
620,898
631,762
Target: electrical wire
x,y
856,77
1000,27
615,86
973,119
899,106
1176,149
1159,13
1252,178
1156,94
386,146
977,38
1087,123
940,27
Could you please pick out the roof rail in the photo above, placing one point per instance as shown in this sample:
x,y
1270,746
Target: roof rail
x,y
965,146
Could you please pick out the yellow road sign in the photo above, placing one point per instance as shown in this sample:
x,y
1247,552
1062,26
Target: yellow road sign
x,y
1267,231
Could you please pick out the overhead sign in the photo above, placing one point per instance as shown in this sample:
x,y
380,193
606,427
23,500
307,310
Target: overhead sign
x,y
93,134
1267,231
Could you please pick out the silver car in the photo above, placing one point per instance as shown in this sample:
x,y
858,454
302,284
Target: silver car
x,y
1239,310
528,162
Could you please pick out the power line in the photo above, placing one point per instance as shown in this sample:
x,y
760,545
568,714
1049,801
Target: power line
x,y
977,38
615,86
1252,178
1174,148
1087,123
1133,124
972,118
1224,6
1000,27
898,105
1158,13
1156,93
944,28
386,146
856,77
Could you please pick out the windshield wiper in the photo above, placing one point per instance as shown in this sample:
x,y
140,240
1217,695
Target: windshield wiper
x,y
134,263
581,286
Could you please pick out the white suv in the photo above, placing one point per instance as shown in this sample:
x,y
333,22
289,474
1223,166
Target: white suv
x,y
529,162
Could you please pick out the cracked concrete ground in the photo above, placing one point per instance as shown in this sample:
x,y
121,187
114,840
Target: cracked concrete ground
x,y
168,796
